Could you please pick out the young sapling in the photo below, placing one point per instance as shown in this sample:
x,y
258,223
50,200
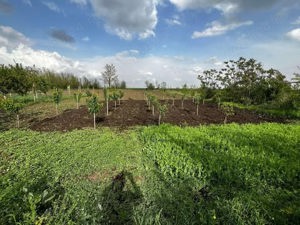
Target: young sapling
x,y
57,96
94,107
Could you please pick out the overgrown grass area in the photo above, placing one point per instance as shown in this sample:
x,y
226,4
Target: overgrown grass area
x,y
272,110
230,174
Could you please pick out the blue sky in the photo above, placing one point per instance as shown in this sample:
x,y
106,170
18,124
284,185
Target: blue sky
x,y
155,40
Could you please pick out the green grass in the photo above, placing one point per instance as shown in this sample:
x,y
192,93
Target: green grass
x,y
231,174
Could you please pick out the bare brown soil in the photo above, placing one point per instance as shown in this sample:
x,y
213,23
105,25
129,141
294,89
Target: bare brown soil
x,y
135,112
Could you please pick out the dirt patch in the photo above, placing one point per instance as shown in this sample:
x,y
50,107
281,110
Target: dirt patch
x,y
136,112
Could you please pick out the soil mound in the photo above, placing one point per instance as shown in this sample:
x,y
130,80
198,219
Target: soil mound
x,y
135,112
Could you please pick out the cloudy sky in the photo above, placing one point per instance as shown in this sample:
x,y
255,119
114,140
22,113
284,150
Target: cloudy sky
x,y
155,40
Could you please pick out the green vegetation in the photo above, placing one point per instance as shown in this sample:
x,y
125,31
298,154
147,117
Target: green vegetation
x,y
77,97
57,96
230,174
94,107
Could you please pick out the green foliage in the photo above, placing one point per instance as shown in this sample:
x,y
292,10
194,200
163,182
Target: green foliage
x,y
245,81
225,174
10,106
230,174
227,108
64,178
93,105
57,96
88,93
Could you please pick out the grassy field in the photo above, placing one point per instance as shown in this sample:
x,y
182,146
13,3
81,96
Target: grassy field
x,y
233,174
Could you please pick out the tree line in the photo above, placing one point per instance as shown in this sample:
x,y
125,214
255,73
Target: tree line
x,y
246,81
19,79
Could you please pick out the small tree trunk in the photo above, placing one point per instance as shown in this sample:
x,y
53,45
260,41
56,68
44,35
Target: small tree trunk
x,y
203,101
173,102
159,119
18,121
115,105
149,106
94,120
56,106
153,110
119,101
182,104
107,107
197,109
77,104
225,120
34,97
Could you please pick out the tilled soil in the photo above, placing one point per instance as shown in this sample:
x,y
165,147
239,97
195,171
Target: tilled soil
x,y
136,112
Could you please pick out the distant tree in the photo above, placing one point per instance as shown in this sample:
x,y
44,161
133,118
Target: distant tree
x,y
110,76
123,84
149,85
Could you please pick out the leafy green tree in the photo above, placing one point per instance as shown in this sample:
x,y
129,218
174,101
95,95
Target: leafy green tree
x,y
11,107
14,79
121,95
245,81
94,107
57,97
114,96
162,109
228,110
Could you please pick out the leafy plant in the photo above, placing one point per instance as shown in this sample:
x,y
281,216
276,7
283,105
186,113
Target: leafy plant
x,y
57,97
114,96
121,95
11,107
228,110
94,107
162,109
77,97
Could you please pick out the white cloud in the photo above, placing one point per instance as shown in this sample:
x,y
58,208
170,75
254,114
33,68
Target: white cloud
x,y
294,34
79,2
27,2
131,67
128,19
297,21
175,20
216,28
52,6
11,38
228,6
